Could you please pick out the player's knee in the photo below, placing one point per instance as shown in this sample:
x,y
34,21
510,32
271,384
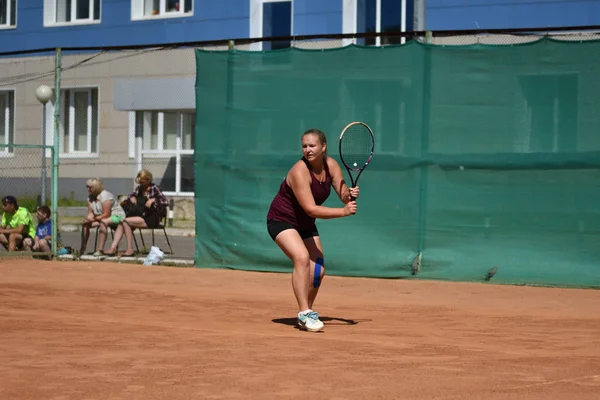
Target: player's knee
x,y
319,272
302,261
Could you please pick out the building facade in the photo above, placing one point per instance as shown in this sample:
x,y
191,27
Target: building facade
x,y
124,110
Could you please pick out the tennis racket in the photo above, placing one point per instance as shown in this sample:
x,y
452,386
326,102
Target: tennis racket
x,y
356,149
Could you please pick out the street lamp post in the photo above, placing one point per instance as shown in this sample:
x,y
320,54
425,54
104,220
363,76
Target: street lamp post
x,y
43,94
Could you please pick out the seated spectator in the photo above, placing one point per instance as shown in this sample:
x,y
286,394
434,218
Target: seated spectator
x,y
103,211
16,224
42,241
147,206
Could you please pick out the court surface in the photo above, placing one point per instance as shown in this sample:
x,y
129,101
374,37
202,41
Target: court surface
x,y
99,330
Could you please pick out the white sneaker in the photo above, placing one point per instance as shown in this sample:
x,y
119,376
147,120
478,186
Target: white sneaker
x,y
310,322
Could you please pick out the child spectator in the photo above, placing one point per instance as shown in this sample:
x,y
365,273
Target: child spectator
x,y
42,241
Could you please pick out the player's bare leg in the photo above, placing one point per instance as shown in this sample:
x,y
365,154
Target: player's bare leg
x,y
293,246
317,265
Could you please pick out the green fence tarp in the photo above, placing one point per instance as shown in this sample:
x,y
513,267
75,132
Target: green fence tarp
x,y
485,156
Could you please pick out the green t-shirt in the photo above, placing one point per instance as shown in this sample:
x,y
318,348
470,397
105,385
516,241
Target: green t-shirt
x,y
20,217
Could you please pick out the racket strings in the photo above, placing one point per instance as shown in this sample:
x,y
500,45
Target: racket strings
x,y
356,146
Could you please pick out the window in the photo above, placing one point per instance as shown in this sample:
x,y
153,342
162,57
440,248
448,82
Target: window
x,y
167,135
277,21
369,16
8,13
7,111
78,122
162,130
60,12
271,18
143,9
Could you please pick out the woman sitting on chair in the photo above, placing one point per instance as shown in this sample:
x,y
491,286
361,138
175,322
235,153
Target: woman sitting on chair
x,y
103,211
147,207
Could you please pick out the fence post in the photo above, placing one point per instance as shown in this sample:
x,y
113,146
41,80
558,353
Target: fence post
x,y
43,197
419,15
426,110
54,205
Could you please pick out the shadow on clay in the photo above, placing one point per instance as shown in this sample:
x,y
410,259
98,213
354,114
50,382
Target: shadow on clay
x,y
328,321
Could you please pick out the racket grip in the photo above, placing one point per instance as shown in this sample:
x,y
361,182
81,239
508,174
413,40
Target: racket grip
x,y
352,198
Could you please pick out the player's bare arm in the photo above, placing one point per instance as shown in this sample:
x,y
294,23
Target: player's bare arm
x,y
338,182
299,179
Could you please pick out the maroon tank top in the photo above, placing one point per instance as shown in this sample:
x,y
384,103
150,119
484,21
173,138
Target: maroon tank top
x,y
285,206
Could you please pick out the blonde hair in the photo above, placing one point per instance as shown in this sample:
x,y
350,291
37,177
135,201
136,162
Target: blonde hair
x,y
96,185
143,175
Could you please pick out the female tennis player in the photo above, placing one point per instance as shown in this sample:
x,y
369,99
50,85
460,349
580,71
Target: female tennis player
x,y
292,214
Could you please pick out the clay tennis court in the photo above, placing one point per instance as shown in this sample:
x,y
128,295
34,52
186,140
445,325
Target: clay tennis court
x,y
99,330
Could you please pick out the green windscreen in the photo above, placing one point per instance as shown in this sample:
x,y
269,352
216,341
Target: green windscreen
x,y
484,156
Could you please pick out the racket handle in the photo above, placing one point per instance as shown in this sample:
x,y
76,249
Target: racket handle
x,y
352,198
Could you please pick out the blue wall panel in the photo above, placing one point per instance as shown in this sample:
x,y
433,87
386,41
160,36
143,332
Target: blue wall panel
x,y
212,20
309,24
317,17
229,19
503,14
317,6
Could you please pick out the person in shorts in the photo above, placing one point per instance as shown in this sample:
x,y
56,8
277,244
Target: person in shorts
x,y
292,215
16,225
104,211
42,240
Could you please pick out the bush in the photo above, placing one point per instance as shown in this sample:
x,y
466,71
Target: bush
x,y
29,203
71,202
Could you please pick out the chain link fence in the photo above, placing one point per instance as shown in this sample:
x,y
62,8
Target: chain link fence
x,y
26,174
124,109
